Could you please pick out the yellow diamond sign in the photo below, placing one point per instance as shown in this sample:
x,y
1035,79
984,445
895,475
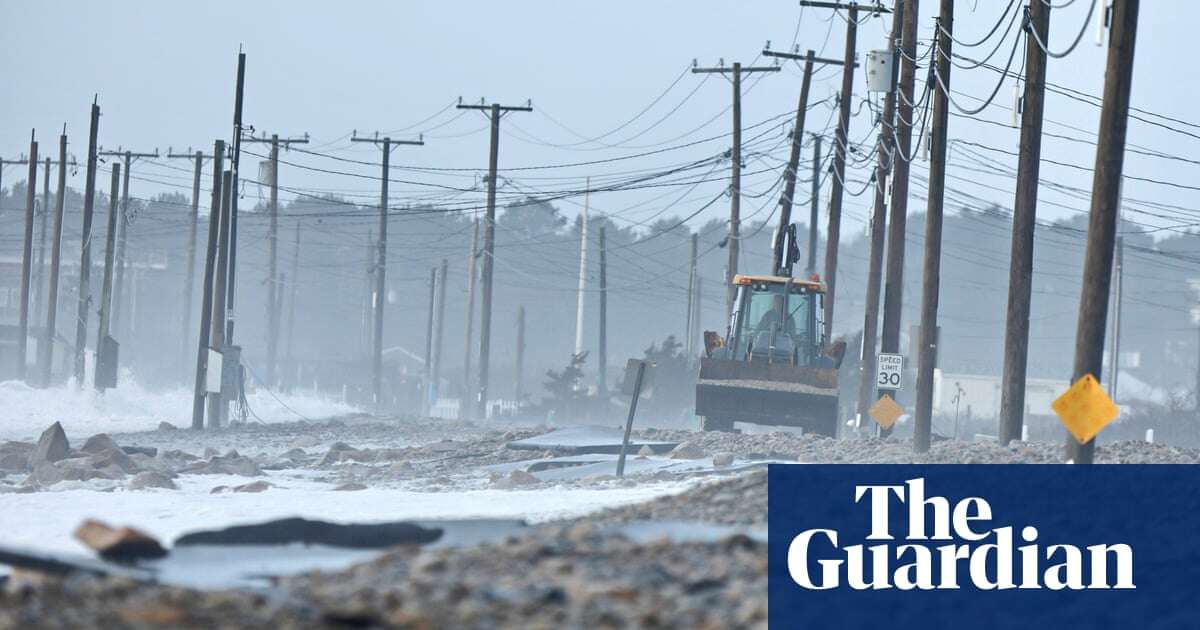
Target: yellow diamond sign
x,y
885,411
1085,408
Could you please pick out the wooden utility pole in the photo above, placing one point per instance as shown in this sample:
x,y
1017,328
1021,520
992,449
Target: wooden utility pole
x,y
927,349
427,372
495,112
217,407
783,266
1106,200
273,305
690,334
602,345
380,293
841,142
893,283
103,356
122,229
206,293
39,268
291,328
735,174
189,286
814,207
235,161
439,329
27,256
1114,356
1020,273
885,155
46,346
519,390
583,253
464,410
85,263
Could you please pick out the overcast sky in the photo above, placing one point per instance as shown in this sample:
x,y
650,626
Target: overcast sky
x,y
165,71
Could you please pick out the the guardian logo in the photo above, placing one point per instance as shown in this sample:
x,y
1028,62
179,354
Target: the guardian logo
x,y
972,554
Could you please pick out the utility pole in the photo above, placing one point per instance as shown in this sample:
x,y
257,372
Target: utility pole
x,y
495,113
380,294
39,269
234,173
435,379
583,252
782,265
85,263
291,330
927,350
893,283
193,225
735,177
814,207
1020,273
104,347
690,334
841,142
602,350
206,294
1106,200
273,305
122,229
46,347
217,407
868,366
427,372
519,391
1114,363
27,256
464,410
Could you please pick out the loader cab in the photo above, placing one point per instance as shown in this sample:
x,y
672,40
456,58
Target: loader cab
x,y
776,320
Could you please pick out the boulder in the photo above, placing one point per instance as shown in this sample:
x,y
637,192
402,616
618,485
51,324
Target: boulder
x,y
148,451
97,443
686,450
151,479
254,486
123,544
51,447
723,459
645,452
114,457
350,487
167,426
521,478
14,456
239,465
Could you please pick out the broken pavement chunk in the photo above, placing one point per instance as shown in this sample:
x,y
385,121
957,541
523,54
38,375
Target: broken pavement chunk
x,y
118,545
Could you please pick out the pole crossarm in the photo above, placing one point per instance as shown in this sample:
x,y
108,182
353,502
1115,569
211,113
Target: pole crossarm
x,y
744,70
803,57
876,8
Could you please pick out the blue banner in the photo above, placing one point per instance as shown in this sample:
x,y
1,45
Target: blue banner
x,y
984,546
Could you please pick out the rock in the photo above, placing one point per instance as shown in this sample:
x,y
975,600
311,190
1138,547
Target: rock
x,y
44,475
350,487
341,446
177,454
140,450
219,490
239,465
305,441
14,462
723,459
51,447
151,479
118,545
113,457
686,450
167,426
294,454
342,452
97,443
522,478
645,452
254,486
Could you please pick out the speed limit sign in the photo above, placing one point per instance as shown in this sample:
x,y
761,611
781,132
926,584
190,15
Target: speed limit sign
x,y
891,370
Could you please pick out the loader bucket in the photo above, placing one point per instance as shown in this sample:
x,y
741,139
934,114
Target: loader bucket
x,y
767,393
